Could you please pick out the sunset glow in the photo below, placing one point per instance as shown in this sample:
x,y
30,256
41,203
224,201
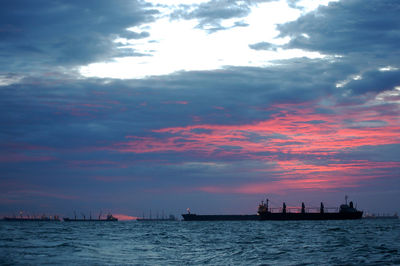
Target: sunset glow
x,y
156,106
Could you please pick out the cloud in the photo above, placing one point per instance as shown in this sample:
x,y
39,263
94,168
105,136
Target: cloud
x,y
349,28
358,35
374,81
296,131
263,46
44,34
210,14
297,125
302,135
135,35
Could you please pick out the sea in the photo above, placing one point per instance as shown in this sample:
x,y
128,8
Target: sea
x,y
352,242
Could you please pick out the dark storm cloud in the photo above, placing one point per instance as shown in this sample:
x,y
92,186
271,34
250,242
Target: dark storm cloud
x,y
42,34
349,28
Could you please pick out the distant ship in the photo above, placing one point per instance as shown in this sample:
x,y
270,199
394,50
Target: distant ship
x,y
43,218
109,218
170,218
346,212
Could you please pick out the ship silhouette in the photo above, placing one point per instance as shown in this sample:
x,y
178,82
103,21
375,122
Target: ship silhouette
x,y
345,212
109,218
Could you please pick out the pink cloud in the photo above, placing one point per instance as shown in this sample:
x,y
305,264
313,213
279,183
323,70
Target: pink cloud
x,y
296,175
294,129
277,187
290,131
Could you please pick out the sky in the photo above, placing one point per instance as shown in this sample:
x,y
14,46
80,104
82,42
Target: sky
x,y
128,106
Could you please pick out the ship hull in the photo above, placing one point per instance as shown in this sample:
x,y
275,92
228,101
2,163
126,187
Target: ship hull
x,y
195,217
88,220
274,217
310,216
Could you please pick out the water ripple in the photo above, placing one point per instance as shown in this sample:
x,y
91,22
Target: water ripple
x,y
219,243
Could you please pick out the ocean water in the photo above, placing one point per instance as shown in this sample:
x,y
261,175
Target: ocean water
x,y
357,242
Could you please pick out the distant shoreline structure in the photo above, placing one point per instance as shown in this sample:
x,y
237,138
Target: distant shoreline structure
x,y
42,218
56,218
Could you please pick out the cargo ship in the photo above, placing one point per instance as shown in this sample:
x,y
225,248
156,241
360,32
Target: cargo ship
x,y
109,218
264,213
